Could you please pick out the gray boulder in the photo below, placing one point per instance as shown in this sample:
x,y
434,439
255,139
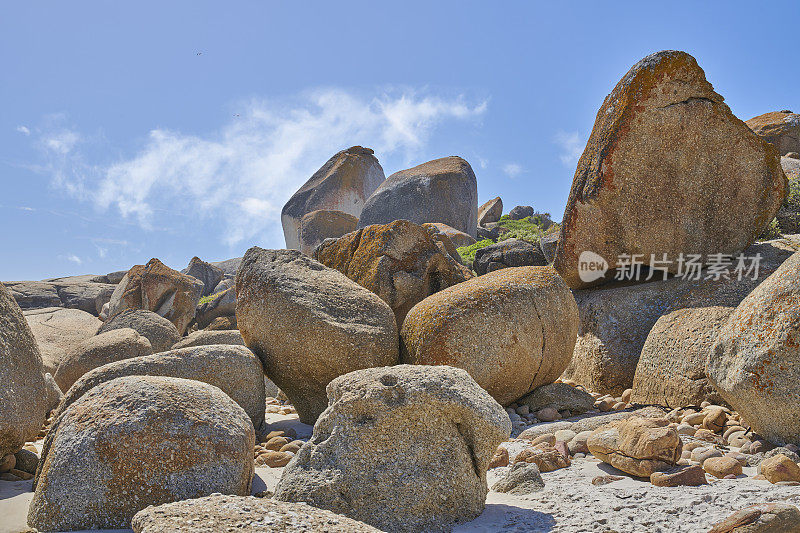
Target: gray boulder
x,y
491,211
343,183
116,277
443,190
309,324
521,211
219,304
205,338
229,266
559,396
76,292
322,224
161,333
403,448
59,331
522,478
207,273
138,441
509,253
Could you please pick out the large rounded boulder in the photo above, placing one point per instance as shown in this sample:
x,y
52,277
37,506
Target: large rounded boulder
x,y
403,448
755,361
508,253
60,331
139,441
23,388
322,224
781,128
161,333
401,262
513,330
207,273
667,170
309,324
443,190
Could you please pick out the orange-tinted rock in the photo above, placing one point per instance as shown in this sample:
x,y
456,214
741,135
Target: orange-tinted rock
x,y
458,238
689,476
637,446
546,457
491,211
761,518
780,128
779,468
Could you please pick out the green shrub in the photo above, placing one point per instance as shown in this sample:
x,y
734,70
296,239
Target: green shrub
x,y
526,229
773,231
210,297
467,253
793,198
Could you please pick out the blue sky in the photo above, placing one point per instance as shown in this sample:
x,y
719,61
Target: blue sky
x,y
173,129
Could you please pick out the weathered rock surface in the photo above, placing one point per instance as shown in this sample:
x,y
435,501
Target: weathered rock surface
x,y
207,273
23,390
77,292
755,362
672,367
761,518
680,476
59,331
309,324
780,128
548,244
205,338
221,304
138,441
512,330
443,190
491,211
400,262
229,266
560,396
522,478
344,183
115,345
521,211
322,224
161,333
458,238
789,214
668,169
637,446
390,432
158,288
242,513
508,253
615,319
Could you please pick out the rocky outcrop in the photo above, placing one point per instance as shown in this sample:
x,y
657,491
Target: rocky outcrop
x,y
322,224
343,183
139,441
508,253
637,446
755,361
205,338
161,333
158,288
491,211
207,273
668,169
443,190
522,478
512,330
780,128
77,292
458,238
309,324
388,433
60,331
521,211
789,214
400,262
220,304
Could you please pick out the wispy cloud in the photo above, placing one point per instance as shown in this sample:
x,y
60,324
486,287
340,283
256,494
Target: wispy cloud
x,y
571,146
74,259
23,130
244,173
512,170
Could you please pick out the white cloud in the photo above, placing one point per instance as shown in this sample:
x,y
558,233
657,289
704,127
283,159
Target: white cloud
x,y
74,259
23,130
512,170
243,174
571,146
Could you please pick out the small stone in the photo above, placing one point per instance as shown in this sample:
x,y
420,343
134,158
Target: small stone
x,y
626,395
691,476
761,518
701,455
293,446
605,480
694,419
761,445
694,444
731,430
549,438
562,448
276,443
522,478
715,418
548,414
523,410
273,459
565,435
708,436
546,457
619,406
779,468
578,443
27,461
500,458
785,451
721,467
604,405
7,463
686,429
742,458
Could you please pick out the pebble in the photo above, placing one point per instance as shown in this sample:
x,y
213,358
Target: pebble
x,y
523,410
626,395
694,419
499,459
686,429
703,454
548,414
276,443
273,459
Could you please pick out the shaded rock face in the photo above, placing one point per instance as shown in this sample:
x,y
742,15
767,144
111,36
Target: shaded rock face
x,y
139,441
522,478
671,369
761,518
78,292
207,273
548,245
227,513
161,333
789,214
205,338
400,262
229,266
222,304
755,361
780,128
637,446
343,183
491,211
443,190
668,169
458,238
59,331
509,253
559,396
322,224
115,345
512,330
23,394
309,324
390,431
616,319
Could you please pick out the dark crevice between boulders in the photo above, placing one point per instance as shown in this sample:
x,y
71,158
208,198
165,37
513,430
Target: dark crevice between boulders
x,y
471,451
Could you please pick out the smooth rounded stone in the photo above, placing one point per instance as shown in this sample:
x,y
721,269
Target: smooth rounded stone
x,y
161,333
322,224
500,458
708,436
59,331
686,429
737,441
548,414
703,453
548,438
521,211
689,476
692,445
26,461
637,446
23,385
578,443
387,433
665,143
138,441
755,362
779,468
522,478
721,467
740,457
274,459
221,304
733,431
242,513
780,128
8,462
565,435
559,396
222,323
401,262
508,253
158,288
458,238
513,330
761,518
491,211
671,368
694,419
343,183
104,348
759,445
207,273
715,419
205,337
782,450
546,457
309,324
